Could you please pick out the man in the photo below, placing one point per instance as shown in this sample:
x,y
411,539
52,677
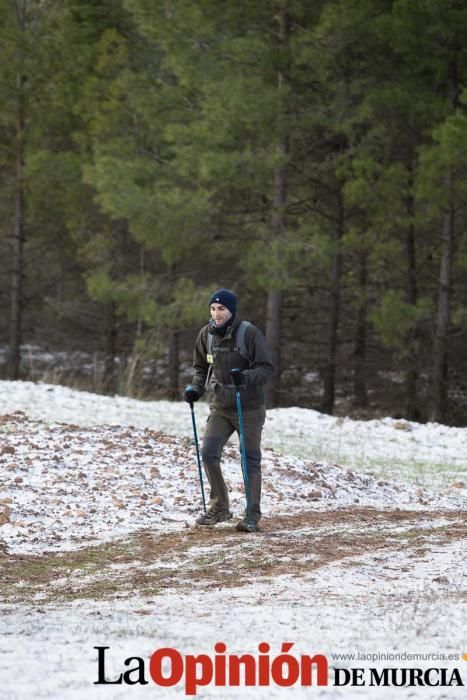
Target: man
x,y
214,359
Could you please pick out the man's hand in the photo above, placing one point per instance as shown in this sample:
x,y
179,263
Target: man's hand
x,y
237,377
190,395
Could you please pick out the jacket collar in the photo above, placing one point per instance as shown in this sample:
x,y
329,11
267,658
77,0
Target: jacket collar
x,y
231,329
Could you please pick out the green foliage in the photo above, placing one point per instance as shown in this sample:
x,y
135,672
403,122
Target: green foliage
x,y
188,306
155,135
446,155
459,317
141,298
395,320
131,295
272,264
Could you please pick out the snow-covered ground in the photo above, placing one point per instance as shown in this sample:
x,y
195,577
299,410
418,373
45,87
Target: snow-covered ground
x,y
362,551
63,486
425,453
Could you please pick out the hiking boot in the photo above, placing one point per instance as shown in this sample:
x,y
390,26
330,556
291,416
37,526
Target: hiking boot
x,y
245,526
213,516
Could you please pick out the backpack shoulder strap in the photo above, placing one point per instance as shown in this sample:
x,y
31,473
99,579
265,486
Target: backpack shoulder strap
x,y
240,339
209,358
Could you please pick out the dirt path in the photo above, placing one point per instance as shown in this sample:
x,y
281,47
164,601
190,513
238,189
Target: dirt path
x,y
148,563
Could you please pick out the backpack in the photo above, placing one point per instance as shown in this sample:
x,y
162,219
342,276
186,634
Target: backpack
x,y
240,347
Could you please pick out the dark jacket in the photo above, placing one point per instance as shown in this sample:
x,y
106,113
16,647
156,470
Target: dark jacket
x,y
256,370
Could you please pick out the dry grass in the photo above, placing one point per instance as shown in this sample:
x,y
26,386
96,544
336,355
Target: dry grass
x,y
148,563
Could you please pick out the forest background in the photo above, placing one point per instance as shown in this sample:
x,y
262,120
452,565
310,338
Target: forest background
x,y
312,156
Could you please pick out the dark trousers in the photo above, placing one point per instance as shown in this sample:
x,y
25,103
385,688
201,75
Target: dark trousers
x,y
220,426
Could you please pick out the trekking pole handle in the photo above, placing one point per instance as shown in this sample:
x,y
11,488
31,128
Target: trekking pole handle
x,y
191,395
236,375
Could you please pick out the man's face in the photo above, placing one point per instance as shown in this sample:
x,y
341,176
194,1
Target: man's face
x,y
219,314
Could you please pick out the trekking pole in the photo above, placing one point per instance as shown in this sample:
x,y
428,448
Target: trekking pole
x,y
235,374
197,454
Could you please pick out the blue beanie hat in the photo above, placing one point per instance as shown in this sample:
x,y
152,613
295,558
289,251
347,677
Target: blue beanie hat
x,y
224,297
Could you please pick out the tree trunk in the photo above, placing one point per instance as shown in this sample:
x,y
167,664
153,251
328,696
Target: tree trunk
x,y
174,364
110,377
327,401
273,338
275,296
16,306
359,375
439,369
411,378
438,381
174,349
133,361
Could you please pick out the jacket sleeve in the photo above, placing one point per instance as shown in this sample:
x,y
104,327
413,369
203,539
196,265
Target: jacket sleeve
x,y
200,363
261,368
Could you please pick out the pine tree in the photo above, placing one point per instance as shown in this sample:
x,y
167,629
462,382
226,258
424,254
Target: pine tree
x,y
440,58
26,27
